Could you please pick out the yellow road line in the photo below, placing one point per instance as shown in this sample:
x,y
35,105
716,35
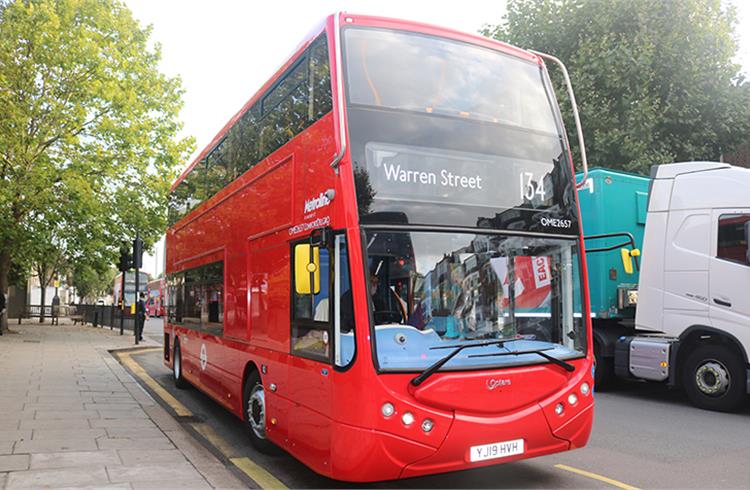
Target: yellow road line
x,y
215,439
179,408
594,476
260,476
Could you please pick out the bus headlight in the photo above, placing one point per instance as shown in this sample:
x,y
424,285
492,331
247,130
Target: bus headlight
x,y
572,399
585,389
407,418
387,409
427,425
559,409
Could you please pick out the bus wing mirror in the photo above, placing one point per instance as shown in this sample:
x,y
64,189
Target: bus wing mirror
x,y
627,259
306,269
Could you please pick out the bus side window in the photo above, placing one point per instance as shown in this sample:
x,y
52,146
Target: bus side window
x,y
175,303
212,306
311,328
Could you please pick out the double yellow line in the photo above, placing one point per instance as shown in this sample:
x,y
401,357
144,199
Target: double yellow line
x,y
263,478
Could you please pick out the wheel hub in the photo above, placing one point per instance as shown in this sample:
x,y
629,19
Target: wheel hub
x,y
177,367
712,378
256,411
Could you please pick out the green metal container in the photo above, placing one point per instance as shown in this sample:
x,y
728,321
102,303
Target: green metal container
x,y
612,202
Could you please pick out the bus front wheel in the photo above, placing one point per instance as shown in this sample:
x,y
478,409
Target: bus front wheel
x,y
254,397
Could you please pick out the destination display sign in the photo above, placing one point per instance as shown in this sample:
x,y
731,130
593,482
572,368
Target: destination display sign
x,y
428,175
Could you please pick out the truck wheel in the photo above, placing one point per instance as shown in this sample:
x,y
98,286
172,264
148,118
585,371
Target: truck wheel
x,y
255,414
604,373
714,378
179,380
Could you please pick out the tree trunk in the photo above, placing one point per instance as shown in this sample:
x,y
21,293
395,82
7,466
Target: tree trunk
x,y
44,298
4,271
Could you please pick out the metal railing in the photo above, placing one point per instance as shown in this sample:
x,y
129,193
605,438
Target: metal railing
x,y
103,316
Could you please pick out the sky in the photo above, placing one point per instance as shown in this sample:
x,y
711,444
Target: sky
x,y
224,50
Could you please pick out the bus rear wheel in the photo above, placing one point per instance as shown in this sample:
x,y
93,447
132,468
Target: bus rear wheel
x,y
714,378
179,380
254,410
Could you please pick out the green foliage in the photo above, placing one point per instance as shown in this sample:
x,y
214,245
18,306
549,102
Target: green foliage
x,y
88,134
91,282
654,79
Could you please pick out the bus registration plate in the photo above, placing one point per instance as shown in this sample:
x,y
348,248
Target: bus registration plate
x,y
496,450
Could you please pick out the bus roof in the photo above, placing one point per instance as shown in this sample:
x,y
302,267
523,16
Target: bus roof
x,y
363,20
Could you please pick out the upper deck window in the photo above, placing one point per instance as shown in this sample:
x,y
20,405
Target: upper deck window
x,y
301,96
420,73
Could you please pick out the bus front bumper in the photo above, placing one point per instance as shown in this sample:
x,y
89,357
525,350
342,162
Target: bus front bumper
x,y
378,456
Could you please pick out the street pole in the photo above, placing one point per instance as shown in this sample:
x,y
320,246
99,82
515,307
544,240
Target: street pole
x,y
122,303
137,263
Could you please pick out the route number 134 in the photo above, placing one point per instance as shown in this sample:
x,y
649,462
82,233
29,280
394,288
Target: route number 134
x,y
529,189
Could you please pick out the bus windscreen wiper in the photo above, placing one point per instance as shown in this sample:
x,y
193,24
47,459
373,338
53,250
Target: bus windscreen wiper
x,y
541,352
418,380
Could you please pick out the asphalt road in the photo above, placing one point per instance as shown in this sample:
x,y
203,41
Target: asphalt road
x,y
644,436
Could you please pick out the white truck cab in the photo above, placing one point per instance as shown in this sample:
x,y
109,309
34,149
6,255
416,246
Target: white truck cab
x,y
692,321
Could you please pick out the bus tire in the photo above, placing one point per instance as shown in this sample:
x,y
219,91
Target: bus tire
x,y
254,414
714,378
177,374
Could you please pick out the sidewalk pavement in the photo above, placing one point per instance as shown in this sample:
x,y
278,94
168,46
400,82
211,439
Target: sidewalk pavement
x,y
72,417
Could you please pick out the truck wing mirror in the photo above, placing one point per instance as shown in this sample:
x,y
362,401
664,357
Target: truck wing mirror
x,y
627,259
306,269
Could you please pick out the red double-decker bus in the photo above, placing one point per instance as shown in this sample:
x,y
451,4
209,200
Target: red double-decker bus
x,y
378,264
155,303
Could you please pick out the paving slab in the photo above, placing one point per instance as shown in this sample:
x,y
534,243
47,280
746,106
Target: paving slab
x,y
161,485
6,447
150,456
73,459
134,432
55,478
39,434
54,445
177,471
125,443
14,462
56,424
114,423
14,435
66,414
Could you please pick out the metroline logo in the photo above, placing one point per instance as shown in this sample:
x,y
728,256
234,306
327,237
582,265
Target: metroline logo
x,y
316,203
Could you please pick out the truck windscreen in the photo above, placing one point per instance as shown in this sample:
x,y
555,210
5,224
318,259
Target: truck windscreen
x,y
449,133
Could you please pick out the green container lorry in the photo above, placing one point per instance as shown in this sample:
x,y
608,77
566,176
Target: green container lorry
x,y
614,205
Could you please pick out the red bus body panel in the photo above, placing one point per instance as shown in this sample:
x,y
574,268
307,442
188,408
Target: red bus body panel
x,y
329,418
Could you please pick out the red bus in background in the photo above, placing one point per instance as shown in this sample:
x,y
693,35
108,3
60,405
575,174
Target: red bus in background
x,y
130,296
377,263
155,303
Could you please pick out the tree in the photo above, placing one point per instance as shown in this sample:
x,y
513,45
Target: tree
x,y
92,283
88,134
654,79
